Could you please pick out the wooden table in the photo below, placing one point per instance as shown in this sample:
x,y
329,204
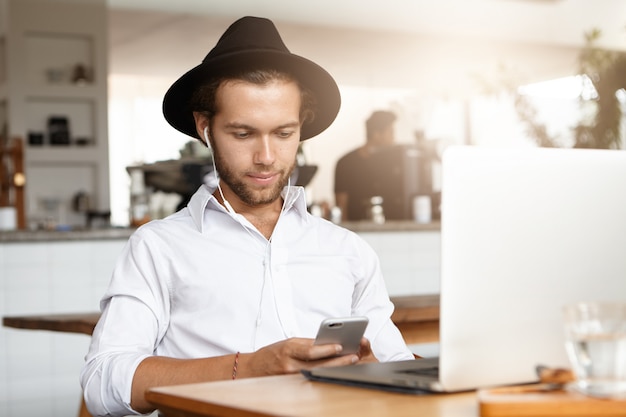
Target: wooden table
x,y
295,396
70,323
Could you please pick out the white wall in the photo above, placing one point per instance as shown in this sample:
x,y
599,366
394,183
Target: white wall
x,y
39,369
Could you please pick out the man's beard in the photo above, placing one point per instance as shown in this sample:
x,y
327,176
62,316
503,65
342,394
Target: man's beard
x,y
246,194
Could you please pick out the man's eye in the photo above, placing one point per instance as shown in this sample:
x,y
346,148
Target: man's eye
x,y
285,133
242,135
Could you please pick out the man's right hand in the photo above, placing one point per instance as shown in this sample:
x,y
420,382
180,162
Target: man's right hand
x,y
291,356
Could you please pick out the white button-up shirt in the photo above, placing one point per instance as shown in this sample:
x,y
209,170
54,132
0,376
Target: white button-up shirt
x,y
203,282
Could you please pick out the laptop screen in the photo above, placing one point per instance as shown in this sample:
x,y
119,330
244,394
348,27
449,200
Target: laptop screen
x,y
524,231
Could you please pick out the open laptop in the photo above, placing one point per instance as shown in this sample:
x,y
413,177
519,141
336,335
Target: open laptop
x,y
524,232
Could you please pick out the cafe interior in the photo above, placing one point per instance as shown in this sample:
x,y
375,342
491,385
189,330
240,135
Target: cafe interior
x,y
87,155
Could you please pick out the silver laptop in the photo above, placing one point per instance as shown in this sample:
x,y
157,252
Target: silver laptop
x,y
524,231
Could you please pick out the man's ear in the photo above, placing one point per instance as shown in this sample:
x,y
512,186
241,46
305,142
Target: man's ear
x,y
202,127
201,122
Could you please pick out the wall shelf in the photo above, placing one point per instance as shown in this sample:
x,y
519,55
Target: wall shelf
x,y
60,91
53,58
61,154
78,112
53,65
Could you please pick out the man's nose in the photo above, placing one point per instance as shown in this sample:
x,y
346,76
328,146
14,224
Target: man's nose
x,y
265,152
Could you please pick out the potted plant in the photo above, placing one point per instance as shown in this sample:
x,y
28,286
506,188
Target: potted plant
x,y
607,72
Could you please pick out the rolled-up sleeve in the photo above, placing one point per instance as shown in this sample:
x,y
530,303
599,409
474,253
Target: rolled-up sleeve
x,y
107,381
134,316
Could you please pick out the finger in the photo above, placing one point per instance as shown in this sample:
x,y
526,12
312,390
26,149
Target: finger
x,y
343,360
365,352
305,350
317,352
365,343
365,348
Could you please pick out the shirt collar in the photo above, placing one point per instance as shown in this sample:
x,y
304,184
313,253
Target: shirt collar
x,y
203,200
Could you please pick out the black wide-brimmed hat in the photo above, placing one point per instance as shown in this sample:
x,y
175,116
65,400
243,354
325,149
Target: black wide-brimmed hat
x,y
253,43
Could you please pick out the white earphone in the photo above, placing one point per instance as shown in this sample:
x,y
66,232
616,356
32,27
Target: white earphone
x,y
230,209
206,137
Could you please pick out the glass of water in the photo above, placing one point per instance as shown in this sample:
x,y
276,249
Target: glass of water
x,y
596,346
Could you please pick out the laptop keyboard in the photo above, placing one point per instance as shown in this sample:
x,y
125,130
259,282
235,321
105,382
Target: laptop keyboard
x,y
427,371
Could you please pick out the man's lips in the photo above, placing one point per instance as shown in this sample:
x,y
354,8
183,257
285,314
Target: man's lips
x,y
263,177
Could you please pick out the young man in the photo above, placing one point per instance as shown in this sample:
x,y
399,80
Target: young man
x,y
236,284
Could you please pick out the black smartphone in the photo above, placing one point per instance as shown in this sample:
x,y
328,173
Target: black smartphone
x,y
346,331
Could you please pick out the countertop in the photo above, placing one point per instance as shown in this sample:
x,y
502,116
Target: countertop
x,y
124,233
49,236
392,226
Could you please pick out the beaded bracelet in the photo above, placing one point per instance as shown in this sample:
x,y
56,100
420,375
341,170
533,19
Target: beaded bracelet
x,y
235,365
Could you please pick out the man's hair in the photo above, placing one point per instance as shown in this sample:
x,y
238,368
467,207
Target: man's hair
x,y
204,98
379,121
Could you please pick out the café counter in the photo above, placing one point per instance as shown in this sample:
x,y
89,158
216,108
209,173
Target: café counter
x,y
408,251
124,233
23,236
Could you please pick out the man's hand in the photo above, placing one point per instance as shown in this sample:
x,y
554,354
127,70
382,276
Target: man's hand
x,y
285,357
293,355
365,352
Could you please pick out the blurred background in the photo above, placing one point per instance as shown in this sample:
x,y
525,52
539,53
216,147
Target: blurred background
x,y
482,72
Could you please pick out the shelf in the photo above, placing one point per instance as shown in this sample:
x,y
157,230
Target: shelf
x,y
61,154
78,112
61,91
53,58
52,75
